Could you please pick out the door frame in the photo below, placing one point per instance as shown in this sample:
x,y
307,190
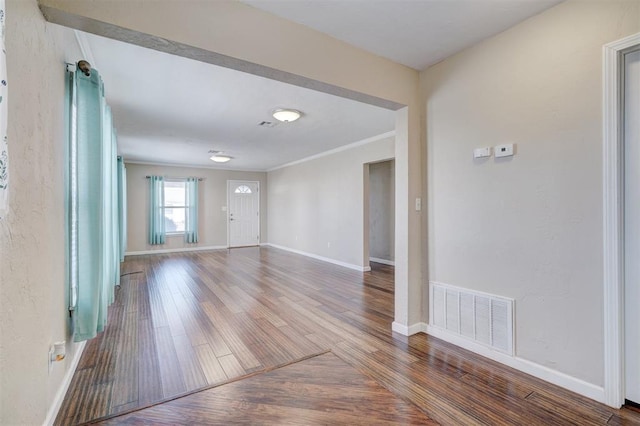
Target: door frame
x,y
613,218
229,182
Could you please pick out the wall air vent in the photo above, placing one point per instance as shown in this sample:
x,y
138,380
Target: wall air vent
x,y
483,318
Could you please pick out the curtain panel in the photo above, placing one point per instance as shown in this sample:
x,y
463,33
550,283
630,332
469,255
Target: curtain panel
x,y
191,215
93,223
122,206
157,231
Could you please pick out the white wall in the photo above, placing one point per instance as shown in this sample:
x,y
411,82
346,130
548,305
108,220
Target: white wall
x,y
213,196
527,227
382,210
318,206
33,299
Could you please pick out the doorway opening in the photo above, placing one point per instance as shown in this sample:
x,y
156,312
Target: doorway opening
x,y
379,208
382,212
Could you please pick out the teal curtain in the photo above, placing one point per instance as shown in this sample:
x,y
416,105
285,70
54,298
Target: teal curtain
x,y
191,213
108,270
92,187
156,210
93,223
122,206
69,211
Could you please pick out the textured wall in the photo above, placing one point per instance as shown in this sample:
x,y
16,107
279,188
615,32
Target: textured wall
x,y
213,195
530,226
318,206
33,304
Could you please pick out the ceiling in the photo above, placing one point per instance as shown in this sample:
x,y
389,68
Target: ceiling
x,y
172,110
416,33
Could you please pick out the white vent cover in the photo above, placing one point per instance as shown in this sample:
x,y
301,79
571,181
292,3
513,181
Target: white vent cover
x,y
483,318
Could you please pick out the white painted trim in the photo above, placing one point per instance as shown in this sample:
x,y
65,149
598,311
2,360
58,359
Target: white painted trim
x,y
613,206
52,413
540,371
336,150
383,261
175,250
324,259
410,330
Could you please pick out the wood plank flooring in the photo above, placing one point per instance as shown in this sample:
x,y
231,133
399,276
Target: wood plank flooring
x,y
189,321
319,390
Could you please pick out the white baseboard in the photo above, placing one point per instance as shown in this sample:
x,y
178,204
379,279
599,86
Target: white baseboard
x,y
324,259
175,250
52,413
383,261
540,371
409,330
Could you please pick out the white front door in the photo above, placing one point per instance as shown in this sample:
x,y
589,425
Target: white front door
x,y
632,224
244,213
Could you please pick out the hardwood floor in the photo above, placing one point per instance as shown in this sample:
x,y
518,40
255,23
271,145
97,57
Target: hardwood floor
x,y
183,322
319,390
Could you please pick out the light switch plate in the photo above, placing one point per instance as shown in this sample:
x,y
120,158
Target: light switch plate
x,y
505,150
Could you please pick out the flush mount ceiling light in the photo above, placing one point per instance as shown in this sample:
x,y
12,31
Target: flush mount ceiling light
x,y
286,115
219,158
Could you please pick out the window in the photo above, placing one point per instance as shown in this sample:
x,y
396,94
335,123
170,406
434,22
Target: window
x,y
243,189
175,206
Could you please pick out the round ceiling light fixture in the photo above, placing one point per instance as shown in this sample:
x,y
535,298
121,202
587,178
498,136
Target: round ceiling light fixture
x,y
218,158
286,115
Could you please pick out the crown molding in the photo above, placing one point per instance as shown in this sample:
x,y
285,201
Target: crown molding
x,y
336,150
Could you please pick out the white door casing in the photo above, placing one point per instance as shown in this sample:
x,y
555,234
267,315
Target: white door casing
x,y
243,213
613,204
631,138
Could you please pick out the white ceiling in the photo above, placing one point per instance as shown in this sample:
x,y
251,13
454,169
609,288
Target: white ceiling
x,y
416,33
173,110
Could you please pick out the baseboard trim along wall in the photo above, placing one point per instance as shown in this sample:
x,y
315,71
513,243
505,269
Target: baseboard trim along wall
x,y
409,330
175,250
322,258
64,386
383,261
540,371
